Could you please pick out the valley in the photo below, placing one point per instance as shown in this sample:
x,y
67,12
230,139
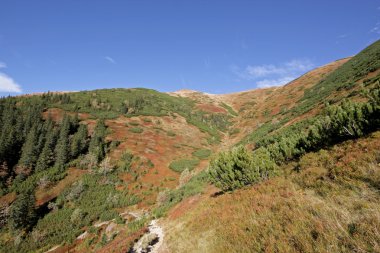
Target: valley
x,y
293,168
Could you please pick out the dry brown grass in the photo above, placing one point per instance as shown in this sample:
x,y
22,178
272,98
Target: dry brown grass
x,y
258,106
331,205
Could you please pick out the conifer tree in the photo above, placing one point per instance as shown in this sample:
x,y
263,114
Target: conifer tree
x,y
29,154
62,147
97,144
74,124
22,212
46,157
4,171
79,141
11,135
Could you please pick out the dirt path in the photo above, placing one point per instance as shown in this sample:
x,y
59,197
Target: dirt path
x,y
151,241
154,228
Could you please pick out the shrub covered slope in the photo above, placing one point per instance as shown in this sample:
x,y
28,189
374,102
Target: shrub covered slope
x,y
86,171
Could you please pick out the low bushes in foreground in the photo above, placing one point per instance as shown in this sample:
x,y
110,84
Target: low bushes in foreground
x,y
239,167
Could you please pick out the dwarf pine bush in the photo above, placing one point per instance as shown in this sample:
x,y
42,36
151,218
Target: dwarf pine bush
x,y
239,167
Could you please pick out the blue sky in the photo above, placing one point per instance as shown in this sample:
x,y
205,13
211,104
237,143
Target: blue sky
x,y
213,46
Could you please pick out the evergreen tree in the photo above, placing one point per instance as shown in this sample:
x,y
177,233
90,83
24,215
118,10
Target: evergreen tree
x,y
79,141
29,154
97,144
11,136
4,171
74,124
46,157
239,167
22,212
62,148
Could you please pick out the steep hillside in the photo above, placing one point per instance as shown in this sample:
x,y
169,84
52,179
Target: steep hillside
x,y
89,171
331,205
267,107
324,196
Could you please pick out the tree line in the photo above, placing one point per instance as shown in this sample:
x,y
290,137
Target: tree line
x,y
32,148
29,143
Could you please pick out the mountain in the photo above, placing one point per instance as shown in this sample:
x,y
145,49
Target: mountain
x,y
283,169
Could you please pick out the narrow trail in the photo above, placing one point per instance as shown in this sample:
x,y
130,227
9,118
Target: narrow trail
x,y
151,241
156,229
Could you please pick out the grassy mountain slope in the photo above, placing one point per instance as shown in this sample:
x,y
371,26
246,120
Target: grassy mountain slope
x,y
332,205
157,147
322,202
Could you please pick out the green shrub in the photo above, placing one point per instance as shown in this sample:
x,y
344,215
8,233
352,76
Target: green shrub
x,y
134,123
93,230
108,215
22,212
125,162
137,224
181,165
136,130
202,153
119,220
239,167
229,109
170,133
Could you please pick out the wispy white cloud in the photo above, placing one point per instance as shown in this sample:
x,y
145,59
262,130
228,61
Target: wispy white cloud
x,y
342,36
376,28
273,75
263,70
266,83
110,59
298,65
7,84
290,67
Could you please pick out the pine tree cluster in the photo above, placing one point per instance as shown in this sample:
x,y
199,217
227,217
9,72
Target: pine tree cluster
x,y
30,144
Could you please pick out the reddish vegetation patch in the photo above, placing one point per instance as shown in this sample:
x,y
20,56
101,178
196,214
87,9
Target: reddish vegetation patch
x,y
211,108
190,203
154,144
120,244
66,249
123,243
183,207
370,75
57,114
45,195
